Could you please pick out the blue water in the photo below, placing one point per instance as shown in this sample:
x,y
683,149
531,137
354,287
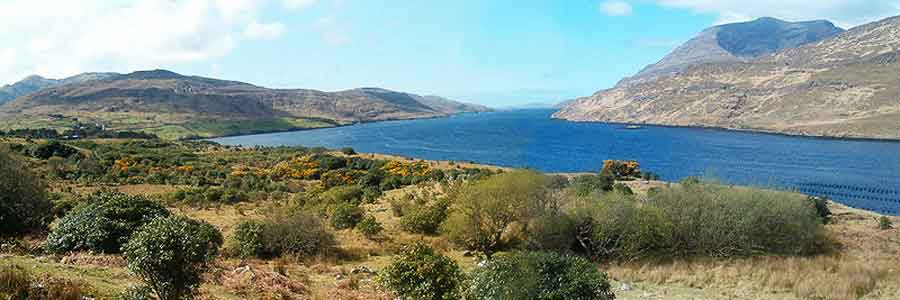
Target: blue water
x,y
863,174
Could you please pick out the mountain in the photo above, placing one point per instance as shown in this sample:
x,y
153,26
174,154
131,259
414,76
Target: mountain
x,y
174,105
842,86
34,83
738,42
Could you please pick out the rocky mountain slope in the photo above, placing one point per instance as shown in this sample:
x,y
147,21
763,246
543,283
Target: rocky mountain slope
x,y
842,86
34,83
152,99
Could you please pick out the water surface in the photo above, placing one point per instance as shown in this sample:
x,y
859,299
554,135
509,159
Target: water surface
x,y
860,173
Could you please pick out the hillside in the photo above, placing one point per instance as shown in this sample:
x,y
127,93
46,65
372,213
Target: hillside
x,y
35,83
842,86
175,105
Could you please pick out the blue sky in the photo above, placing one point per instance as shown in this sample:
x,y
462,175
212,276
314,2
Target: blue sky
x,y
498,53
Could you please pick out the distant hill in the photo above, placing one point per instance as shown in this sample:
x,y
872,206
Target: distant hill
x,y
842,86
739,42
34,83
175,105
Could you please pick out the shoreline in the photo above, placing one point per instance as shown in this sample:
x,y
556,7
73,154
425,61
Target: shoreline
x,y
742,130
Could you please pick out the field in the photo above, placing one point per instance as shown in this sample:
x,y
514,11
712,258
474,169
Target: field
x,y
860,260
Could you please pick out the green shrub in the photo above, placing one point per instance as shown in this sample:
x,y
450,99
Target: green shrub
x,y
483,211
24,206
622,188
425,219
551,232
104,224
351,194
821,204
616,227
417,272
715,220
690,180
51,149
539,276
348,151
296,234
884,223
171,254
345,216
246,240
585,185
18,283
369,227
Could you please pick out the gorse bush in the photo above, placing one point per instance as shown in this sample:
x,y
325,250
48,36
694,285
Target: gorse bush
x,y
295,233
171,254
24,206
585,185
424,219
246,240
417,272
369,227
539,276
346,216
104,224
821,204
884,223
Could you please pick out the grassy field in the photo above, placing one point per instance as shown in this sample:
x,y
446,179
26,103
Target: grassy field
x,y
217,128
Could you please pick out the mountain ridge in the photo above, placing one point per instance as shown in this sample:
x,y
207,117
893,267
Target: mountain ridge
x,y
842,86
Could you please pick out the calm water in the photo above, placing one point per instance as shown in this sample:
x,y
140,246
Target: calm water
x,y
864,174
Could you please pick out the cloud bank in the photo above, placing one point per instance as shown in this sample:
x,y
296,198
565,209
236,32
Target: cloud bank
x,y
845,13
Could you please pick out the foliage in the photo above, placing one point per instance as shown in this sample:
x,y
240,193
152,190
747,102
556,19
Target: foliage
x,y
369,227
617,227
295,233
821,205
348,151
417,272
51,149
105,224
346,216
884,223
424,219
623,188
621,169
24,206
171,254
483,211
585,185
246,240
18,283
539,276
715,220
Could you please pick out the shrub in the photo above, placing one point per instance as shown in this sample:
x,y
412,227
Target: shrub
x,y
296,234
348,151
18,283
351,194
483,211
51,149
104,224
554,231
715,220
585,185
345,216
884,223
623,188
425,219
539,276
246,240
369,227
620,169
171,254
418,273
24,206
821,205
615,226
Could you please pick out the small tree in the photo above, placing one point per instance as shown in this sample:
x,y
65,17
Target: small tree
x,y
24,205
483,211
418,273
171,254
539,276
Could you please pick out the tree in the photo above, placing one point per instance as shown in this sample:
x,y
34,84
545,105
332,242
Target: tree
x,y
171,254
24,205
482,211
539,276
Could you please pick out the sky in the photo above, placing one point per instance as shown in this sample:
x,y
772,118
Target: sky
x,y
493,52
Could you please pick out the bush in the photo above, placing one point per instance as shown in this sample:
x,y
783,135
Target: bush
x,y
171,254
24,206
425,219
539,276
369,227
617,227
296,234
585,185
351,194
884,223
715,220
623,188
18,283
345,216
246,240
104,224
821,204
418,273
348,151
483,211
51,149
620,169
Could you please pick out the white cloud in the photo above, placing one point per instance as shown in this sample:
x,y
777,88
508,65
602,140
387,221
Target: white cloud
x,y
299,4
268,31
846,13
615,8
